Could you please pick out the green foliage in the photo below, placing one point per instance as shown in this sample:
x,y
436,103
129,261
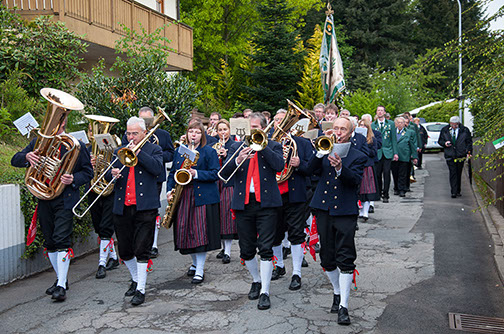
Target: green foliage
x,y
440,112
141,81
8,174
43,49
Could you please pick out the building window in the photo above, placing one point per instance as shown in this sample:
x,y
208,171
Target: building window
x,y
160,6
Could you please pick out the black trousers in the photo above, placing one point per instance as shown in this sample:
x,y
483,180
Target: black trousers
x,y
256,230
135,233
56,224
401,176
101,215
455,169
420,155
382,168
291,219
337,241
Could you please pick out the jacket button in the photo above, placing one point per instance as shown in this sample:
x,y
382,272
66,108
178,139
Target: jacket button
x,y
241,169
323,201
327,182
199,195
329,173
335,197
264,167
140,183
266,190
241,181
239,194
141,194
325,191
119,199
265,179
335,187
140,172
198,187
120,188
335,206
293,189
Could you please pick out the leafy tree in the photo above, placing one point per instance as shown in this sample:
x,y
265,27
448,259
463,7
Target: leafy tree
x,y
440,112
276,58
45,50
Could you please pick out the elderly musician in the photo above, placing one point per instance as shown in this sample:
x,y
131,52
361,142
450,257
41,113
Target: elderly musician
x,y
136,204
196,227
165,142
228,230
256,199
335,204
292,213
55,215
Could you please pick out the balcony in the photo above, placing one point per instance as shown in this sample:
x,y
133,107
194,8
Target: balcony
x,y
99,24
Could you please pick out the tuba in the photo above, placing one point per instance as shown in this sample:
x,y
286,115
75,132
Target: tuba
x,y
101,125
43,179
182,177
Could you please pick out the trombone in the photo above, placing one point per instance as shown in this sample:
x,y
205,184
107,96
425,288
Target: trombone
x,y
127,156
257,141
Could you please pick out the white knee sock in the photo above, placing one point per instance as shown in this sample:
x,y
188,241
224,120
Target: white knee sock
x,y
194,262
297,259
334,278
365,209
371,203
227,246
142,276
200,264
277,252
132,267
156,232
53,257
266,271
113,253
285,241
63,265
253,269
345,281
104,249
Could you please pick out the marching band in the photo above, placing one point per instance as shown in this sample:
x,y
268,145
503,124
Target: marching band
x,y
223,185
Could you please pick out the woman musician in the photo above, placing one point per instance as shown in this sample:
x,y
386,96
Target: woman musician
x,y
228,230
196,227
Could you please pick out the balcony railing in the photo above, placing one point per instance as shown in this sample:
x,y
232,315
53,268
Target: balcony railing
x,y
100,20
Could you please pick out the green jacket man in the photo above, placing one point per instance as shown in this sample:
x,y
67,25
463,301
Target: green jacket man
x,y
389,142
406,144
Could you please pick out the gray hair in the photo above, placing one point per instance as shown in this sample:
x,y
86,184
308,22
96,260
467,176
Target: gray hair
x,y
146,109
352,126
281,111
454,119
261,117
136,120
398,118
319,106
368,116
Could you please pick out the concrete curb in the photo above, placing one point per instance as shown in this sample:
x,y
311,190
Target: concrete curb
x,y
495,226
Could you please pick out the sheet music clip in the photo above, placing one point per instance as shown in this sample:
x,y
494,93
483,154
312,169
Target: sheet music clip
x,y
105,142
186,152
240,127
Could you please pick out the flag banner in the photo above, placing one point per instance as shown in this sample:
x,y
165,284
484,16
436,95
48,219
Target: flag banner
x,y
331,66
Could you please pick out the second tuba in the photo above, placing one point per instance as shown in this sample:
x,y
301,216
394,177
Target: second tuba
x,y
57,152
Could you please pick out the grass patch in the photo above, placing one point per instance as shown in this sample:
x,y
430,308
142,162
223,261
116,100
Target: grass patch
x,y
9,147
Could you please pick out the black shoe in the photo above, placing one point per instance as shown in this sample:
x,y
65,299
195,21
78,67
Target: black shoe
x,y
453,196
226,259
396,192
191,272
264,302
371,209
101,272
385,200
335,304
277,273
408,190
51,289
197,279
343,317
459,195
255,289
295,283
112,264
221,254
131,290
138,298
285,252
402,194
59,294
304,264
154,253
365,219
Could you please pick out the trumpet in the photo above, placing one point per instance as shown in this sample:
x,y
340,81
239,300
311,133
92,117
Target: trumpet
x,y
257,141
127,156
324,144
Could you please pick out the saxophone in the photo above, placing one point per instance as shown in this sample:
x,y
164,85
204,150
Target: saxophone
x,y
43,179
182,177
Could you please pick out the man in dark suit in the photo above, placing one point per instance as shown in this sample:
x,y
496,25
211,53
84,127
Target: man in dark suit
x,y
55,215
335,202
457,142
136,204
256,199
423,140
407,150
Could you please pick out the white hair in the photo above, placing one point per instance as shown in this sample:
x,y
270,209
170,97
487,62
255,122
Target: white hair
x,y
136,120
146,109
281,111
454,119
368,117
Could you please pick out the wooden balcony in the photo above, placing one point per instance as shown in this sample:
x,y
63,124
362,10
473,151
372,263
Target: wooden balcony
x,y
99,22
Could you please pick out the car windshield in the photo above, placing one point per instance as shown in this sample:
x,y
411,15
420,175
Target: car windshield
x,y
435,127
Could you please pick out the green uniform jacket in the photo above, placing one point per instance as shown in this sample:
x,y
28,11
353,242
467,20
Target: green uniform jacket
x,y
389,142
412,126
406,146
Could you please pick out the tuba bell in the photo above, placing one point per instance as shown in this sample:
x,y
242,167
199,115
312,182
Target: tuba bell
x,y
43,179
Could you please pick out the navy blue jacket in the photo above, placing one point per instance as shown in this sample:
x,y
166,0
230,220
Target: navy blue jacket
x,y
166,145
300,176
82,172
378,139
360,143
338,194
210,140
205,186
270,162
150,165
372,153
227,146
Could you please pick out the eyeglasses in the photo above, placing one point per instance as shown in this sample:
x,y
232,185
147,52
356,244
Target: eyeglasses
x,y
129,134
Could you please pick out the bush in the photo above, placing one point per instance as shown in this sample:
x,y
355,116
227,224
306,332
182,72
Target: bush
x,y
440,112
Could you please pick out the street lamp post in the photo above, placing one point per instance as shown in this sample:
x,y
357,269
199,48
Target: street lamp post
x,y
461,102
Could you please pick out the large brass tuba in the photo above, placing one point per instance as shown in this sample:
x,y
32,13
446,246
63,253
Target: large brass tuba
x,y
43,179
182,177
101,125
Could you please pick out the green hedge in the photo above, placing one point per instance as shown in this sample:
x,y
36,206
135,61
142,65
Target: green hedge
x,y
440,112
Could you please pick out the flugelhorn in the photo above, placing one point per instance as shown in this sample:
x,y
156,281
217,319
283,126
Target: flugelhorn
x,y
324,144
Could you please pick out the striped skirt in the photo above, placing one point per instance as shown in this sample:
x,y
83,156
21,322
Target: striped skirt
x,y
368,186
227,223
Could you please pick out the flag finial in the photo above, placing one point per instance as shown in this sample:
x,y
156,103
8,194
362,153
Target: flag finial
x,y
329,10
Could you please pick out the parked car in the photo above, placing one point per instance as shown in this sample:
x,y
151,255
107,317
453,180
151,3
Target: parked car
x,y
433,130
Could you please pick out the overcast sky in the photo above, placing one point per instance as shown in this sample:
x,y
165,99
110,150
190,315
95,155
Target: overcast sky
x,y
492,8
